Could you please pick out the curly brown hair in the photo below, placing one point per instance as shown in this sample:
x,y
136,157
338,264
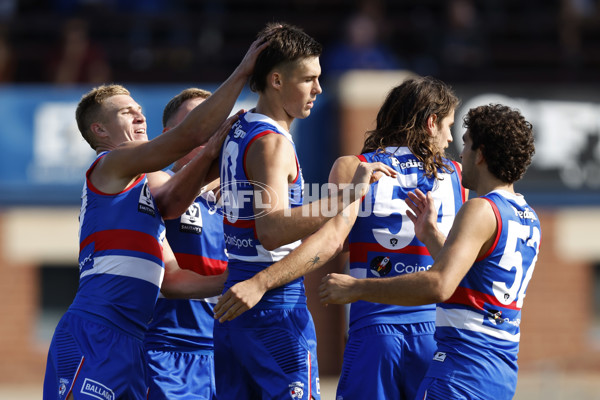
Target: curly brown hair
x,y
288,43
504,137
402,120
88,109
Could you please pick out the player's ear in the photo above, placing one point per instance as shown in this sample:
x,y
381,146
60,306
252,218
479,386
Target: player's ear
x,y
275,80
479,158
431,124
98,130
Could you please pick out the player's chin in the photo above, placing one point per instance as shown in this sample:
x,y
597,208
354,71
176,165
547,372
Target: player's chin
x,y
306,112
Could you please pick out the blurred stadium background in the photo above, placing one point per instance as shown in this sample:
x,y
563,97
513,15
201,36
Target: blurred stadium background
x,y
541,56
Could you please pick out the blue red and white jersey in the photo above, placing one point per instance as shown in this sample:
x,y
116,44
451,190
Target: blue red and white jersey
x,y
482,318
196,238
120,256
247,256
382,241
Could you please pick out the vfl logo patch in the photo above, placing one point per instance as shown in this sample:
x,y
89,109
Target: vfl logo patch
x,y
380,266
191,220
439,356
97,390
145,204
296,390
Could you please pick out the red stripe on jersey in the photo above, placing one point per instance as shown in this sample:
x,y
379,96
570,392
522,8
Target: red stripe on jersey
x,y
98,191
240,223
362,158
499,221
476,299
201,265
359,251
463,191
258,136
124,239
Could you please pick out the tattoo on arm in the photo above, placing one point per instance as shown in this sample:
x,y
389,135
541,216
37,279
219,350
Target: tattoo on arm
x,y
314,261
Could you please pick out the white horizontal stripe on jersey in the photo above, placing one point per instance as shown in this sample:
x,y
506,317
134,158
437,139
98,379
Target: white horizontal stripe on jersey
x,y
265,255
472,321
132,267
358,273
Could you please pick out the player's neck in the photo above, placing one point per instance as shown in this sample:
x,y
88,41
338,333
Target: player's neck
x,y
275,111
489,185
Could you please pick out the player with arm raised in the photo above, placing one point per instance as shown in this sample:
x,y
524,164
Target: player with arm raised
x,y
97,347
481,271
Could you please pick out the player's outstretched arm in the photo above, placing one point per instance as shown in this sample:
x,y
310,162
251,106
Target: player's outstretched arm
x,y
466,242
135,157
314,251
271,162
175,195
185,284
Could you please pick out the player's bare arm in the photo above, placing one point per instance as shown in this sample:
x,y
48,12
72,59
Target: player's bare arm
x,y
271,161
466,242
173,196
128,160
315,251
185,284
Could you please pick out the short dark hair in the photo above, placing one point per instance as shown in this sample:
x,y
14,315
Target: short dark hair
x,y
176,102
504,137
402,120
88,109
288,43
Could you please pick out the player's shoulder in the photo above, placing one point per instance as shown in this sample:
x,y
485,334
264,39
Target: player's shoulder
x,y
271,141
478,209
343,169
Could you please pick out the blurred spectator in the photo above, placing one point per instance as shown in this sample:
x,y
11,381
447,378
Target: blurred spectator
x,y
463,43
7,57
360,48
77,59
574,17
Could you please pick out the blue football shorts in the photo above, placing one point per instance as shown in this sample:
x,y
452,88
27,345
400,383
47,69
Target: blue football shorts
x,y
438,389
386,361
468,375
267,354
181,375
93,361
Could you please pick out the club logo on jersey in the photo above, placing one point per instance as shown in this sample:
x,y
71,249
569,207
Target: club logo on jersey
x,y
296,390
62,386
393,242
497,319
191,220
97,390
439,356
380,266
145,204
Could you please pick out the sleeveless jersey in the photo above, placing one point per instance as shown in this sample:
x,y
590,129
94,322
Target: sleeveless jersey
x,y
382,241
197,240
246,254
481,320
120,256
